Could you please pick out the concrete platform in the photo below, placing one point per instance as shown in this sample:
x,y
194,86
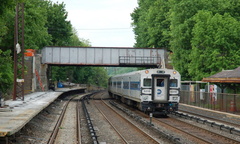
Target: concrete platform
x,y
17,114
233,117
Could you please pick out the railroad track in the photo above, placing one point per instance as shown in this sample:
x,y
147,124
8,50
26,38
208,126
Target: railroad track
x,y
188,130
78,109
230,123
71,126
200,134
128,132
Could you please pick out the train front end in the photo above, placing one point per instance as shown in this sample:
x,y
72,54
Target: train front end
x,y
164,91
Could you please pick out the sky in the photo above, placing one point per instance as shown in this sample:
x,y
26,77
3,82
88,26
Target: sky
x,y
105,23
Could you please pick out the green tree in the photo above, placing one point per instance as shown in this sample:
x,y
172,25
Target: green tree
x,y
83,75
139,17
45,24
215,44
181,14
76,41
184,28
158,24
201,45
58,27
6,24
6,72
36,34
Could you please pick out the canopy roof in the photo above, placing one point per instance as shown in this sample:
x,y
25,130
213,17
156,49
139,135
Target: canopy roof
x,y
225,76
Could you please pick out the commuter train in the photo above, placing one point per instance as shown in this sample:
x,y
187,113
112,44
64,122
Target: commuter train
x,y
154,91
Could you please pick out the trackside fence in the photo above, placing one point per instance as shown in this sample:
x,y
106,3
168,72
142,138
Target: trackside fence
x,y
214,101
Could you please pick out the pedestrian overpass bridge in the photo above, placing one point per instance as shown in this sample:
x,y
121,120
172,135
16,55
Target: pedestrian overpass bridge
x,y
104,56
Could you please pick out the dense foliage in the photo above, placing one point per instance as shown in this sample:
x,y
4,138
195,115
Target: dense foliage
x,y
203,35
81,75
6,75
45,24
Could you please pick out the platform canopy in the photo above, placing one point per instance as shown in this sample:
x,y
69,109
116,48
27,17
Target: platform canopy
x,y
225,76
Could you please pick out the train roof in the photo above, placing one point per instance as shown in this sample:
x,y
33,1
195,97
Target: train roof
x,y
141,71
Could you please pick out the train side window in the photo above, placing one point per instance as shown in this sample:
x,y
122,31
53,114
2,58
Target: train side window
x,y
126,85
160,82
147,82
134,85
173,83
119,84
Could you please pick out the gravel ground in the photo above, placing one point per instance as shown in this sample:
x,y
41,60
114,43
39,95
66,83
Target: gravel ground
x,y
86,137
106,134
213,114
38,130
184,139
146,128
67,131
212,129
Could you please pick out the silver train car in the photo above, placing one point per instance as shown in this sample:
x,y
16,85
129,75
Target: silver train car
x,y
154,91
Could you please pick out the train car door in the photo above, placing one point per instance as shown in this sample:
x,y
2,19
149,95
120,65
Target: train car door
x,y
160,87
129,88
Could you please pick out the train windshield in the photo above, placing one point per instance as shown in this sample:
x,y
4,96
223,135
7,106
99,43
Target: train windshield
x,y
160,82
147,82
173,83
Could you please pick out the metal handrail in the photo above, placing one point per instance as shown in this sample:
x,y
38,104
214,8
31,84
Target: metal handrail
x,y
139,60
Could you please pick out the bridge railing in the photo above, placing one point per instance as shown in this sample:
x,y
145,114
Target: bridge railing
x,y
139,60
215,101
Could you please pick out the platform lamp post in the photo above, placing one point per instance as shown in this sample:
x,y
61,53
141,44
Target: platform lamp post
x,y
18,85
68,82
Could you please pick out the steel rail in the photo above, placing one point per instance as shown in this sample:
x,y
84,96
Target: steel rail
x,y
141,131
187,133
53,136
125,109
173,127
229,129
78,123
89,122
194,135
121,136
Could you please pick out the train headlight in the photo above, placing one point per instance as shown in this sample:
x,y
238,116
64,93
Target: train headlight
x,y
174,72
174,91
146,71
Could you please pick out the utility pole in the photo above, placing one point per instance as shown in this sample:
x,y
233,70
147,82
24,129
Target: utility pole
x,y
18,85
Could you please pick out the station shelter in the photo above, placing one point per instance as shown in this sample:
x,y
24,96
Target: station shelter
x,y
229,82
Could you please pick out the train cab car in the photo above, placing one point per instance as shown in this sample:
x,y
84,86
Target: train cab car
x,y
151,90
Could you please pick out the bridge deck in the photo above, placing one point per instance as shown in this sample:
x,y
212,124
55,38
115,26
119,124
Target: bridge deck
x,y
103,56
